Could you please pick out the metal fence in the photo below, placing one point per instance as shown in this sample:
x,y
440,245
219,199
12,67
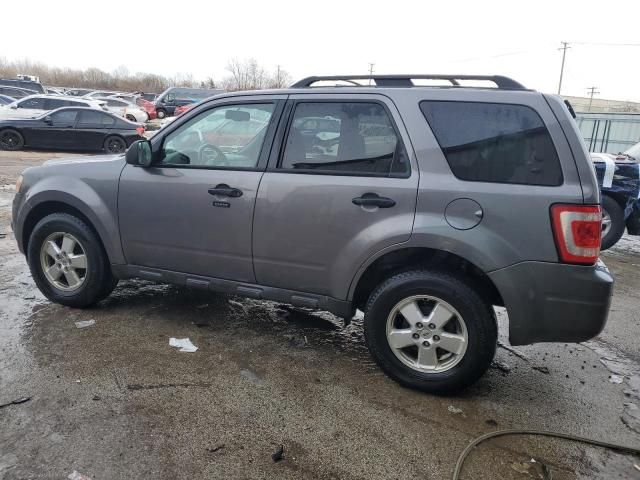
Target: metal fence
x,y
609,132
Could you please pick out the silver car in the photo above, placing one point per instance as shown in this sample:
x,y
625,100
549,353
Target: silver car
x,y
422,206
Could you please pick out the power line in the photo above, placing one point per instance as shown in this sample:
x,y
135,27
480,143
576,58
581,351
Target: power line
x,y
599,44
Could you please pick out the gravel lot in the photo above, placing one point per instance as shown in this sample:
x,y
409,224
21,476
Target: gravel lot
x,y
114,401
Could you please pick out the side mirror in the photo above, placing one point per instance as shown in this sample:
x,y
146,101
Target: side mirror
x,y
139,154
48,120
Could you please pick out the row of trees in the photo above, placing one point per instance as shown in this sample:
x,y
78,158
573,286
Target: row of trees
x,y
242,75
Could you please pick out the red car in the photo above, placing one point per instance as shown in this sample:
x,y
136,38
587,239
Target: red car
x,y
148,107
180,109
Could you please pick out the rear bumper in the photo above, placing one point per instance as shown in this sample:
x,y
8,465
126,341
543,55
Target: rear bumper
x,y
554,302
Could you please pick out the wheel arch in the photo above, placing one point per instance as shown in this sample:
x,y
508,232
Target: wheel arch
x,y
96,214
410,258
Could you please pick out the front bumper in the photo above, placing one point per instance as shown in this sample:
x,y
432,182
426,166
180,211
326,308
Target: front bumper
x,y
554,302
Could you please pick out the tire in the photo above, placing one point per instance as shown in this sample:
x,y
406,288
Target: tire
x,y
161,113
115,144
11,140
612,222
96,279
472,318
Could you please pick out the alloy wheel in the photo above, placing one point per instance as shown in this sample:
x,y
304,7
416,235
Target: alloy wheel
x,y
427,334
64,261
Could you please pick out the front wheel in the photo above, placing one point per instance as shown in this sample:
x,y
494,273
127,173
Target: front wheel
x,y
67,261
430,331
161,113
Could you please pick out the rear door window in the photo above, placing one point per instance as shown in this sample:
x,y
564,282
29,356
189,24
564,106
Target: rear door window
x,y
492,142
53,103
344,138
94,119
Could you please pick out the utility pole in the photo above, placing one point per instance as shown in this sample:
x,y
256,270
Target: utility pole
x,y
371,65
592,91
564,48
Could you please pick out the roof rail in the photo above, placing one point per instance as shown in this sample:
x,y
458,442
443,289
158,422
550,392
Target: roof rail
x,y
503,83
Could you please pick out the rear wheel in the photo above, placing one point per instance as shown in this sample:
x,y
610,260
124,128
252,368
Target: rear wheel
x,y
67,261
612,222
115,144
11,139
161,113
430,331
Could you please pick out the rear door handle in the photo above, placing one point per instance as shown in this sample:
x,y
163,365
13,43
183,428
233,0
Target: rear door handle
x,y
373,200
225,190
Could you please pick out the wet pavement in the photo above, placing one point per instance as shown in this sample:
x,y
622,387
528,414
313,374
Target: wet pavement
x,y
112,400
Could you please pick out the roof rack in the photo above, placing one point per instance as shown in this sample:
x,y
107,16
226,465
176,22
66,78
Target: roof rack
x,y
503,83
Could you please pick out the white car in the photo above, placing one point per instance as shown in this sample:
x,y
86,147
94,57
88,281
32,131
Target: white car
x,y
125,109
35,105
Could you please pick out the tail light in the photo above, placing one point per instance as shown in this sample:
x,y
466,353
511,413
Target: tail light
x,y
577,230
140,131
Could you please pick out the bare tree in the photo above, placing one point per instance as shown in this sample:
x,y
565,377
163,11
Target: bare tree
x,y
244,75
280,78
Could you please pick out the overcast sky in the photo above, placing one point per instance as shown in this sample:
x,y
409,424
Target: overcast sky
x,y
518,39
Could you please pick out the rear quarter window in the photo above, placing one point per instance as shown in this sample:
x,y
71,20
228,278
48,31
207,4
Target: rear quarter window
x,y
494,142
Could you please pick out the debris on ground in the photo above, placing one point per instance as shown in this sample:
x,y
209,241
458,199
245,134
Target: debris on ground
x,y
636,466
616,378
96,398
215,449
454,410
85,323
16,402
502,366
184,344
77,476
541,369
491,422
278,454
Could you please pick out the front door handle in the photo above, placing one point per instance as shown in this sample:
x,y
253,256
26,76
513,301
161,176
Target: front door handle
x,y
225,190
373,200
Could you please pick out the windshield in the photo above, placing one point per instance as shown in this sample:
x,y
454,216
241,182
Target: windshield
x,y
634,151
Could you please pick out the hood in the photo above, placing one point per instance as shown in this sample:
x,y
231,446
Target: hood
x,y
85,159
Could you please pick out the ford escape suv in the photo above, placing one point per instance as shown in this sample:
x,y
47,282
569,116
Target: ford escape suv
x,y
422,205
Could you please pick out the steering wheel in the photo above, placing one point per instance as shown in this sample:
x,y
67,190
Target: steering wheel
x,y
212,156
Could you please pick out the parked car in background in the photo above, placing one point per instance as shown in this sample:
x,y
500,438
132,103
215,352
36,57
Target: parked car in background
x,y
425,209
16,92
71,128
35,105
150,97
78,92
173,97
5,99
124,108
28,84
146,105
100,93
55,90
180,109
619,182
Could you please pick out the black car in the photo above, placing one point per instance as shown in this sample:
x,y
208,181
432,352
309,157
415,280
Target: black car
x,y
70,128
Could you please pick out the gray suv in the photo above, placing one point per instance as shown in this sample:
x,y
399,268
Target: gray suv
x,y
423,206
